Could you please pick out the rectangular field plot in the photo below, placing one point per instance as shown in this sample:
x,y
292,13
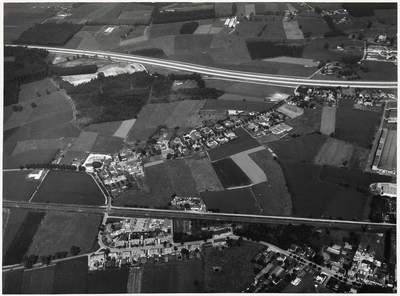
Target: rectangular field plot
x,y
239,200
388,159
71,276
66,187
230,174
25,146
226,104
347,204
19,187
29,91
59,231
328,120
84,142
106,128
124,128
107,144
12,281
203,29
14,222
20,244
204,175
108,281
243,143
178,277
38,281
181,178
356,126
334,152
249,167
292,30
29,157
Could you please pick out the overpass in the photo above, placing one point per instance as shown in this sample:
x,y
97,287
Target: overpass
x,y
220,73
162,213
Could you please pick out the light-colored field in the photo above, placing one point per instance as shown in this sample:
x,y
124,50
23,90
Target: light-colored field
x,y
135,280
328,120
124,129
250,9
291,8
292,30
24,146
203,29
334,152
140,15
291,111
290,60
215,30
179,116
388,159
84,142
249,167
204,175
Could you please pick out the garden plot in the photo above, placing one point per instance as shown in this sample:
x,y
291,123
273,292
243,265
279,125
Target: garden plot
x,y
328,120
334,152
292,30
249,167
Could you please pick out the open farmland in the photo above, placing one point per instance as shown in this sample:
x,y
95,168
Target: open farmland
x,y
290,111
243,143
15,220
60,231
334,152
26,146
12,281
292,30
18,188
20,244
224,105
347,204
378,72
84,142
66,187
236,268
317,26
107,144
106,128
249,167
29,157
108,281
71,155
328,120
355,126
272,196
388,159
274,30
307,123
181,178
303,148
230,174
29,90
124,128
239,200
178,277
38,280
204,174
71,276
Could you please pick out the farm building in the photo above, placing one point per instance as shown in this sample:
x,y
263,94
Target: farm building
x,y
384,189
36,174
280,129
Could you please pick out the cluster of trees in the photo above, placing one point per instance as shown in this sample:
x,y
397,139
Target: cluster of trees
x,y
76,70
53,166
334,30
163,17
150,52
201,93
262,49
189,28
366,9
52,34
30,260
18,108
379,209
194,76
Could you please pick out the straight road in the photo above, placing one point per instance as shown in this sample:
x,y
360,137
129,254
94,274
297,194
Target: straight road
x,y
158,213
222,73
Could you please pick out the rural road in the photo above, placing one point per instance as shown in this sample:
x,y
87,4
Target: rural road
x,y
222,73
139,212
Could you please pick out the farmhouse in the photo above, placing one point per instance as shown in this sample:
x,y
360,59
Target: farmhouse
x,y
36,174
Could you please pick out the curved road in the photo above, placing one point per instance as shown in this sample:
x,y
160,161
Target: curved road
x,y
140,212
216,72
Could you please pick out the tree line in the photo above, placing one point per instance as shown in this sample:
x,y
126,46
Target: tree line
x,y
76,70
365,8
150,52
263,49
163,17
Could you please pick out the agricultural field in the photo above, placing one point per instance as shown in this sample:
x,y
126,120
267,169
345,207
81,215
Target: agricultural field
x,y
84,142
355,126
106,128
224,105
71,155
272,196
19,187
317,26
107,144
59,231
12,281
204,174
29,157
71,276
303,148
108,281
249,167
177,277
290,111
292,30
192,43
66,187
124,128
15,219
243,143
379,71
309,122
239,200
230,174
328,120
347,204
181,178
236,268
27,146
274,30
335,152
29,90
22,239
38,281
388,159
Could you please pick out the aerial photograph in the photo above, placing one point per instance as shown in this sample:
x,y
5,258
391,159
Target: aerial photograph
x,y
199,147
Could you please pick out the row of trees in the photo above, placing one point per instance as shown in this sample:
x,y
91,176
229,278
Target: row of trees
x,y
150,52
76,70
30,260
263,49
53,166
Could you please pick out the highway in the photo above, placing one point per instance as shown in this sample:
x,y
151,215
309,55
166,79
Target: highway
x,y
160,213
221,73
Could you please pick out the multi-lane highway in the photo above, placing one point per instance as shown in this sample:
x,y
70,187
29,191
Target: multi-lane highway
x,y
221,73
158,213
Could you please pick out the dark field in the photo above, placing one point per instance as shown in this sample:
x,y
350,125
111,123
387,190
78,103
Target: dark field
x,y
69,188
29,157
173,277
303,148
70,276
236,105
107,128
181,178
379,71
18,187
243,143
107,144
15,219
38,281
347,204
108,281
12,281
353,178
230,174
20,244
231,201
236,268
355,126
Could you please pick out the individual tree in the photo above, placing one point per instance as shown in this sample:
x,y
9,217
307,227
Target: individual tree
x,y
33,105
74,250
